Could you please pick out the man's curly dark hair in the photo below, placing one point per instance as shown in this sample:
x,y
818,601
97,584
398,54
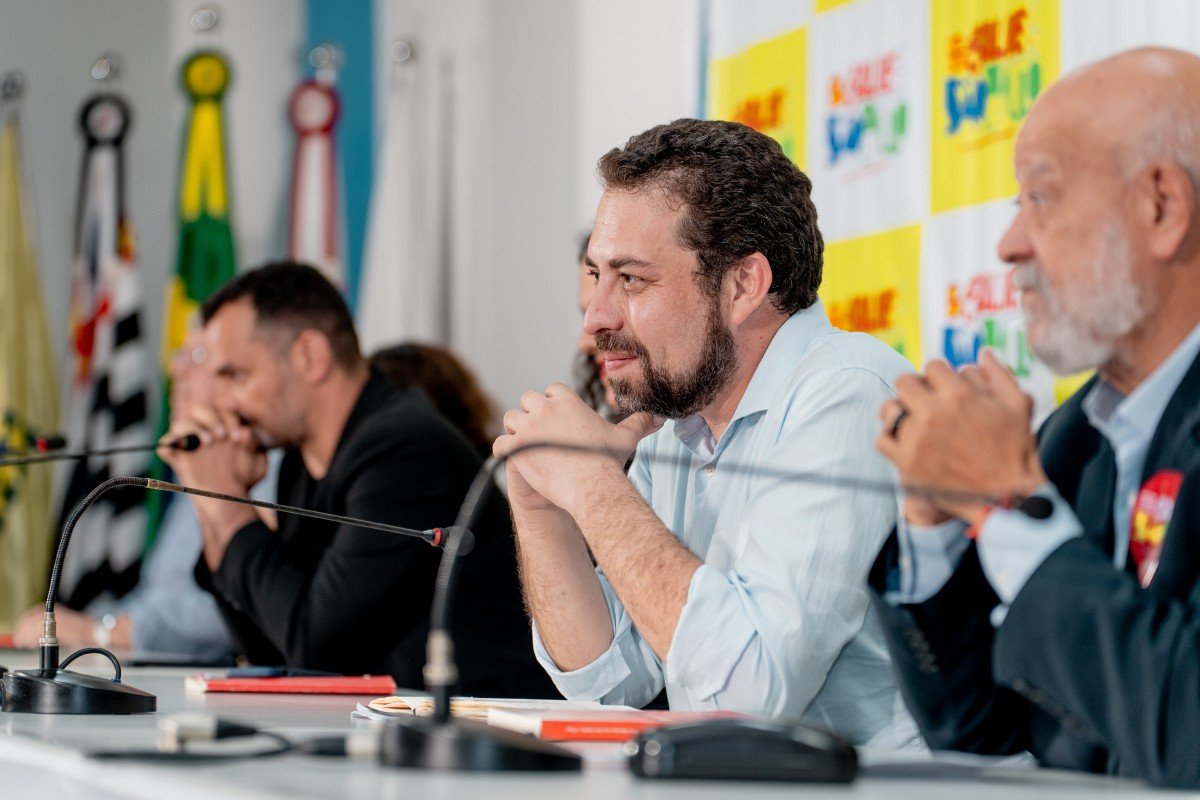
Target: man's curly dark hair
x,y
741,195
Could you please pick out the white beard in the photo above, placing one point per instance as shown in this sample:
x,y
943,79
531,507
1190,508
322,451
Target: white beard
x,y
1079,331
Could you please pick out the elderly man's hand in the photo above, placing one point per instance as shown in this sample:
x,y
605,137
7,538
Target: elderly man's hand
x,y
963,432
544,477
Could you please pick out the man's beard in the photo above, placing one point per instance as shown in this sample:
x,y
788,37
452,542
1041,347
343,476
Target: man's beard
x,y
670,395
1082,333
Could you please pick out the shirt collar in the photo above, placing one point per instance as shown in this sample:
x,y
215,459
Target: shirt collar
x,y
1106,408
787,347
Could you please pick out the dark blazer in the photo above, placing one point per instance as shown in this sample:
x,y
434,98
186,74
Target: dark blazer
x,y
1089,670
352,600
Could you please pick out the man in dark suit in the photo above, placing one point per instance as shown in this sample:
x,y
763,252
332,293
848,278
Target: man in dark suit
x,y
1074,636
336,597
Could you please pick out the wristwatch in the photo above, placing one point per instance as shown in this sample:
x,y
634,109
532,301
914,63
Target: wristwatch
x,y
103,631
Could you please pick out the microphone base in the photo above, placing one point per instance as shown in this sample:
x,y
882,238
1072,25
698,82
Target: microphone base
x,y
62,691
468,746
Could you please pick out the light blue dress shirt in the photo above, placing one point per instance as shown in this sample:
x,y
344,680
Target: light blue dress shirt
x,y
1011,545
777,620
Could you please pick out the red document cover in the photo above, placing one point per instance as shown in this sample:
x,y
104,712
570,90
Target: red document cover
x,y
352,684
595,726
6,642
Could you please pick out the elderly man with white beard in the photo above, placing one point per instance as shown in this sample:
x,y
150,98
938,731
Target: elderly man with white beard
x,y
1073,631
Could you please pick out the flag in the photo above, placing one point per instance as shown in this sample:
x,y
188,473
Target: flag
x,y
315,218
108,395
388,285
28,389
205,256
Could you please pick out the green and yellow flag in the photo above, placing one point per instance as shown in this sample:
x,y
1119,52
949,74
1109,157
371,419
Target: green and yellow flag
x,y
205,258
28,390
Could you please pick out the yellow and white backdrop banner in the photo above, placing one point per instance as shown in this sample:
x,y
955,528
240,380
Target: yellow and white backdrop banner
x,y
904,113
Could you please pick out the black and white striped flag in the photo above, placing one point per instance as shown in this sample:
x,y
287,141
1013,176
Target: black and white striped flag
x,y
107,401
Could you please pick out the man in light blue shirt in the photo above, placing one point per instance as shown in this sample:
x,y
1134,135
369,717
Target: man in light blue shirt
x,y
713,577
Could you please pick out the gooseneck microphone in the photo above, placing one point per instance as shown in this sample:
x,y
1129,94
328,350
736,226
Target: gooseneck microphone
x,y
185,444
439,742
52,689
440,670
436,537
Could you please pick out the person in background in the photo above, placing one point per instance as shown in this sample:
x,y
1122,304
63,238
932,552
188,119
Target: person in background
x,y
167,613
322,595
589,361
454,389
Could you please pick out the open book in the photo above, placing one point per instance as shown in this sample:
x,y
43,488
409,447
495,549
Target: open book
x,y
553,720
473,707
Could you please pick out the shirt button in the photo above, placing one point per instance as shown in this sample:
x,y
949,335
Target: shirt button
x,y
710,470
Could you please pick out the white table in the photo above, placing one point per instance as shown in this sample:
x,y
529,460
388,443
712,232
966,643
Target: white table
x,y
40,756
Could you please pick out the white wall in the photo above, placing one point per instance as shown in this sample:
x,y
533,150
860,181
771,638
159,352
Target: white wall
x,y
56,42
639,67
540,89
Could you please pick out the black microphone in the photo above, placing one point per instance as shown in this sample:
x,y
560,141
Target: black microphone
x,y
436,537
53,689
37,444
439,742
185,444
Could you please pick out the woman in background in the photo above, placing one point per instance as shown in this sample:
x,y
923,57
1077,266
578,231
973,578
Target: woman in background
x,y
453,389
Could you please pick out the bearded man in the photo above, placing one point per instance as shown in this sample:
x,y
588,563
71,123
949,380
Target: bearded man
x,y
731,586
1073,633
321,595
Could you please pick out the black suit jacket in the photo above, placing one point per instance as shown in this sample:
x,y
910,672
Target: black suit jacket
x,y
351,600
1088,670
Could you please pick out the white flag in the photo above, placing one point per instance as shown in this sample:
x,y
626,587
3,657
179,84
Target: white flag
x,y
389,283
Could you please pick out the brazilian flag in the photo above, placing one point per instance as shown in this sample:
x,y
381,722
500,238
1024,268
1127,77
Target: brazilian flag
x,y
205,257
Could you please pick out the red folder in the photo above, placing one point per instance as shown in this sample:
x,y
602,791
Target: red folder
x,y
595,726
6,641
373,685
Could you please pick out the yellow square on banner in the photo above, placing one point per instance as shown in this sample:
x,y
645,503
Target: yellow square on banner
x,y
990,61
871,284
826,5
763,86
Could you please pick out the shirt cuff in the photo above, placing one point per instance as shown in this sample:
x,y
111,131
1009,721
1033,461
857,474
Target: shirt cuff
x,y
711,635
594,681
929,555
612,669
1013,545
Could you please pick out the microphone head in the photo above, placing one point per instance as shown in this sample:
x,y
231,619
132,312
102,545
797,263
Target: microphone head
x,y
1036,507
56,442
186,443
465,544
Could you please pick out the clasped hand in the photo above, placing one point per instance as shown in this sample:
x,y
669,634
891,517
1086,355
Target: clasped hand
x,y
542,478
965,432
229,458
